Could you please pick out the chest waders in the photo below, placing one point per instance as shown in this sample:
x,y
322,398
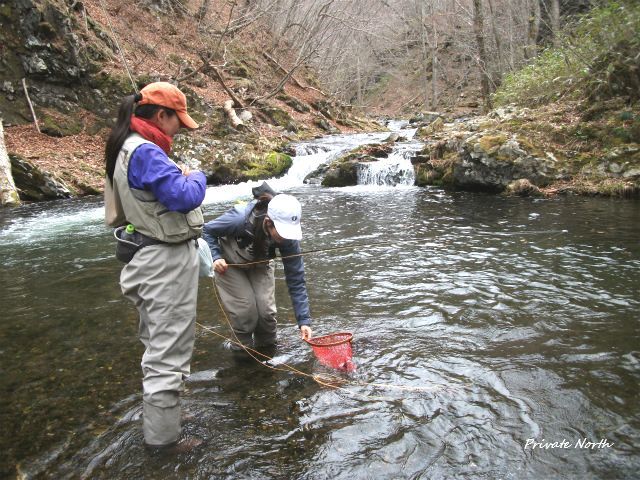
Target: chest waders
x,y
161,280
248,293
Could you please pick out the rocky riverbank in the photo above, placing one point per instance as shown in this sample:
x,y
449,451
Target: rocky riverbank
x,y
559,148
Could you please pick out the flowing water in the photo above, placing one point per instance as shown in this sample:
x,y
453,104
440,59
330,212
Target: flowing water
x,y
486,324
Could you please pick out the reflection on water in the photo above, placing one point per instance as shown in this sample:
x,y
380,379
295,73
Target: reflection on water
x,y
486,322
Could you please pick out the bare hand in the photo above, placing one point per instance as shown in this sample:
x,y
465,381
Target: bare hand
x,y
305,332
220,266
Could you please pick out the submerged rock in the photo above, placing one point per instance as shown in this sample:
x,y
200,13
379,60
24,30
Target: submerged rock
x,y
523,188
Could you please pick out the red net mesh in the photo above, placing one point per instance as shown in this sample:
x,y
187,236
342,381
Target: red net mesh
x,y
334,350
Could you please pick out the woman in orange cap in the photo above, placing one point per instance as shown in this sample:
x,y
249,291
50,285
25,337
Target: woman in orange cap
x,y
160,204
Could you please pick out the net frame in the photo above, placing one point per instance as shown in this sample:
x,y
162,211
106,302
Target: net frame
x,y
333,350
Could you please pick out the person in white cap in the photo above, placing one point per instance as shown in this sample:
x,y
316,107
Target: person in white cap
x,y
243,243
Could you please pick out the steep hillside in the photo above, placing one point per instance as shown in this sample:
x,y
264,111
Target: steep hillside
x,y
71,55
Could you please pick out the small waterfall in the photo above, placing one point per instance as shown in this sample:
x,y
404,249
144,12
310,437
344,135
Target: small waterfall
x,y
397,125
396,169
309,156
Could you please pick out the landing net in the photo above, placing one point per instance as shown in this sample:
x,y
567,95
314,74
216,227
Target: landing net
x,y
334,350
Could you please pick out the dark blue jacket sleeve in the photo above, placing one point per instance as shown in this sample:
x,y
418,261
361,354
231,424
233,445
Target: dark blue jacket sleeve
x,y
229,223
150,169
294,275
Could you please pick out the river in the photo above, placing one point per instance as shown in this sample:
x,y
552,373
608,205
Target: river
x,y
494,337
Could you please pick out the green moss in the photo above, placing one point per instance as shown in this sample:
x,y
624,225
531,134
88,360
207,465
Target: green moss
x,y
273,164
491,143
280,117
530,146
5,10
173,58
438,172
60,126
238,69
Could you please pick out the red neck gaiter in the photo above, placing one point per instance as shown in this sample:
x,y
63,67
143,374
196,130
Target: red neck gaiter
x,y
150,131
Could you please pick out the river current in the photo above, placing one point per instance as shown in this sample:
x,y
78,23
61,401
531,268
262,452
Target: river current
x,y
494,337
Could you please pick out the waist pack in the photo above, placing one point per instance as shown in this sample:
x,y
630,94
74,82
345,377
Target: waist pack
x,y
129,243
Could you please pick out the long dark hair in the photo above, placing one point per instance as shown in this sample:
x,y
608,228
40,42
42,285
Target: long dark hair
x,y
122,128
260,240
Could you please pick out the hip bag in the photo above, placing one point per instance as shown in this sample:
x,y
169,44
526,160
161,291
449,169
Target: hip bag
x,y
129,243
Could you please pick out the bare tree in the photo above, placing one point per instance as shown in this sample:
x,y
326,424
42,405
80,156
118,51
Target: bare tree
x,y
422,49
478,28
533,29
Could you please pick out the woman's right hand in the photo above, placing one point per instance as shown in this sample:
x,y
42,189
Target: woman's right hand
x,y
220,266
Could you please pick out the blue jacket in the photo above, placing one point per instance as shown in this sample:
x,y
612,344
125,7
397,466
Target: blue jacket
x,y
150,169
233,223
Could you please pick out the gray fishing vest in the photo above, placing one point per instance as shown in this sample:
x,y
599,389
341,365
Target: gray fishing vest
x,y
124,204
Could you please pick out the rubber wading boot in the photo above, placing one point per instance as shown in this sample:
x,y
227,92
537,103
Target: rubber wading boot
x,y
160,425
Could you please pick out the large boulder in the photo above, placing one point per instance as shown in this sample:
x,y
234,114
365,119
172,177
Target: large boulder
x,y
493,160
34,184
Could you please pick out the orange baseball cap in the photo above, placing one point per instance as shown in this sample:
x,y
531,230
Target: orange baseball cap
x,y
168,95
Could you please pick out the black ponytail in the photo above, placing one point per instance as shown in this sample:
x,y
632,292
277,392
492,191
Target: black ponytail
x,y
118,135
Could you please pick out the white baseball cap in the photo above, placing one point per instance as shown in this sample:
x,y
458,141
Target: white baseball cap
x,y
285,212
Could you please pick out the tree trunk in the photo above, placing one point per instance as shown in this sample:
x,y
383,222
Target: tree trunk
x,y
496,36
554,14
280,67
8,191
478,27
425,55
530,49
434,62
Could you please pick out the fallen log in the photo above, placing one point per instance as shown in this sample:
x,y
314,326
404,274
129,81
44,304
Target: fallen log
x,y
231,114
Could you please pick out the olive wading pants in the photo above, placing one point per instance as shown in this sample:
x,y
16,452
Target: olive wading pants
x,y
162,282
248,296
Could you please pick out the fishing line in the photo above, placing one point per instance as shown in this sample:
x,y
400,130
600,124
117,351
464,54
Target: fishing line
x,y
387,242
322,250
115,39
323,380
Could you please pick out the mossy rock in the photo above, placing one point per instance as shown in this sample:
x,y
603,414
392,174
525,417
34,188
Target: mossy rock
x,y
33,183
435,126
324,107
279,117
223,174
245,84
342,174
491,143
438,172
60,126
273,164
529,146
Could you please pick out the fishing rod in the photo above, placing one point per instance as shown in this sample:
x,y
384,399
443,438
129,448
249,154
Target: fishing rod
x,y
387,242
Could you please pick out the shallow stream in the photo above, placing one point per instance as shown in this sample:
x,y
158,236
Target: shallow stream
x,y
487,322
